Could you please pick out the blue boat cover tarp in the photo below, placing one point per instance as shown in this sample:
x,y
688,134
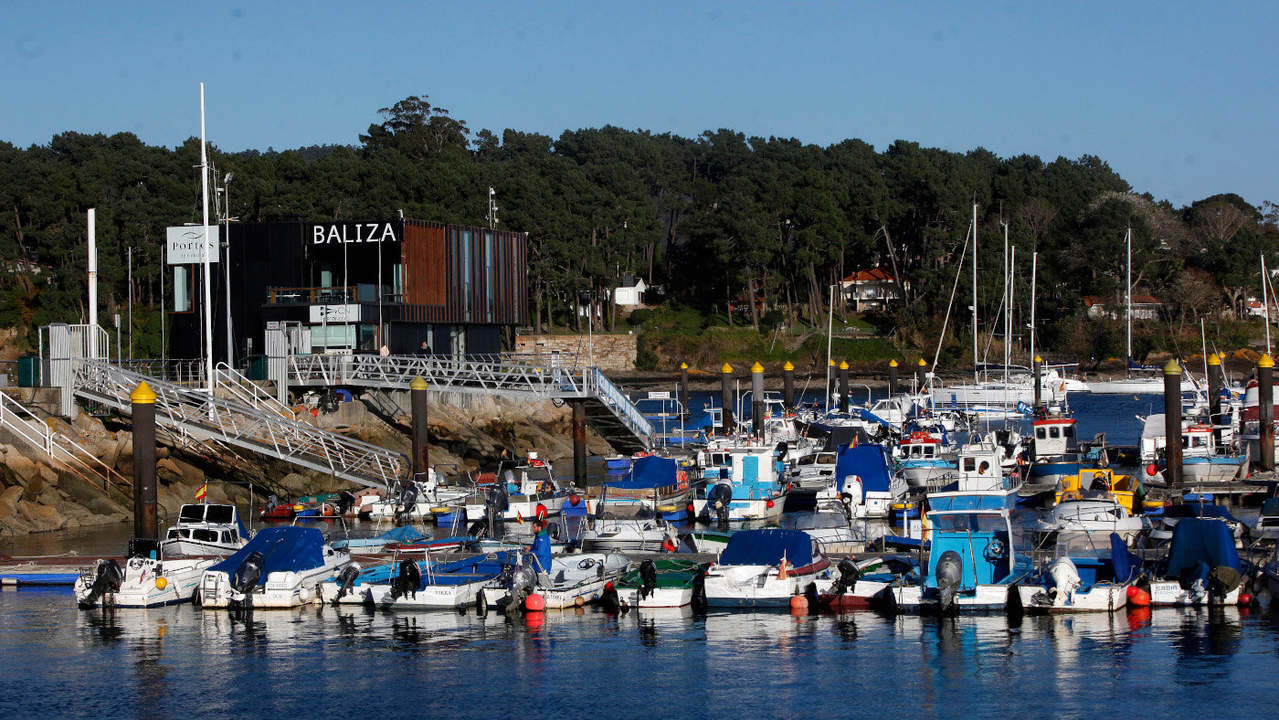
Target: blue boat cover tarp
x,y
404,534
648,472
1199,510
1126,565
1201,540
284,549
766,547
868,462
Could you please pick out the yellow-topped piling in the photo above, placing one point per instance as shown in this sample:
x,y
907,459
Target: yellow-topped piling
x,y
142,394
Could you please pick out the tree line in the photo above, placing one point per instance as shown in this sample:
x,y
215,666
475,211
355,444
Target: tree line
x,y
751,230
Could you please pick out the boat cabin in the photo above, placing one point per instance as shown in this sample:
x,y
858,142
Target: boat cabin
x,y
980,470
1054,437
534,477
982,543
920,446
1197,441
754,468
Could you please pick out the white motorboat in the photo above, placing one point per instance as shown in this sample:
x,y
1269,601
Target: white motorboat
x,y
205,529
573,581
1086,575
766,568
521,493
280,567
143,582
1101,514
626,534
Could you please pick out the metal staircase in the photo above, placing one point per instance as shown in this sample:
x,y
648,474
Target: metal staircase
x,y
56,446
244,419
608,410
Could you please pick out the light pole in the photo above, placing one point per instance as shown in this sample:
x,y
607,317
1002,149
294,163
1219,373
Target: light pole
x,y
226,267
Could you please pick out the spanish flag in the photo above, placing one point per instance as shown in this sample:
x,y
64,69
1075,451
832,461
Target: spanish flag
x,y
203,491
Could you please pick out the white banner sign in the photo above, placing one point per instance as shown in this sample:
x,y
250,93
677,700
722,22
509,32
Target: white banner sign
x,y
185,247
335,313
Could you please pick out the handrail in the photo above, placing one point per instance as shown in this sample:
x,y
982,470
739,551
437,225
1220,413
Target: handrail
x,y
445,373
248,392
56,445
195,413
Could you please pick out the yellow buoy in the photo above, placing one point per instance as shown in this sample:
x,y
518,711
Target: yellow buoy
x,y
161,583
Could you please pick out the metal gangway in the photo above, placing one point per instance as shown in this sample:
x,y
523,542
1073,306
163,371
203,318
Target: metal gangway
x,y
608,410
241,416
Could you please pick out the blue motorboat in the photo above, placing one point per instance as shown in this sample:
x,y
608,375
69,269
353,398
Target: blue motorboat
x,y
279,567
654,486
418,584
1202,567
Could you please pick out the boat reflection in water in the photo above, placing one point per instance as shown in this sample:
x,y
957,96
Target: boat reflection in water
x,y
270,662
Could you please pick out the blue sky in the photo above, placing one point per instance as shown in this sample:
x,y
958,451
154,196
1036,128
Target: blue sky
x,y
1179,97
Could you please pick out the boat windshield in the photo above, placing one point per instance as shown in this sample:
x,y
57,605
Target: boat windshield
x,y
1083,545
191,513
970,522
219,514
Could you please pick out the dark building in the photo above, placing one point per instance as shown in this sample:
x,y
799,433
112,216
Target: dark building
x,y
360,285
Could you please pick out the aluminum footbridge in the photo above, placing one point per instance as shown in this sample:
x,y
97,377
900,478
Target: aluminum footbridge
x,y
608,411
241,416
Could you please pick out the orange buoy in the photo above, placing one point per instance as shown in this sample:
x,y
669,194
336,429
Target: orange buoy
x,y
535,603
1138,597
579,601
799,602
1245,598
1152,469
769,504
574,499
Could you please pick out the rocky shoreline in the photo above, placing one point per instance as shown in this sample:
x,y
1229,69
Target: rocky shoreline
x,y
467,432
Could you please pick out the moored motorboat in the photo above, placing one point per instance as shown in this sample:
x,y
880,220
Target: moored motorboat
x,y
1084,576
148,579
280,567
205,529
662,583
766,568
1202,567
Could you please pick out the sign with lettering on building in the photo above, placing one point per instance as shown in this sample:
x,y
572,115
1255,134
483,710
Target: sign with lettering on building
x,y
354,232
335,313
184,246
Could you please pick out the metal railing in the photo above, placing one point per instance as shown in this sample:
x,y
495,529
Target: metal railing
x,y
183,372
601,388
27,425
497,378
193,413
238,387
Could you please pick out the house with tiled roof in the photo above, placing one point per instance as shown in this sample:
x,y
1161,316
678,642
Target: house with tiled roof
x,y
871,289
1144,307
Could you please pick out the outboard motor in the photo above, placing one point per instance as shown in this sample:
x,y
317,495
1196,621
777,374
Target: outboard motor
x,y
346,580
1222,580
948,574
107,579
719,498
478,529
699,590
648,578
1065,577
248,574
782,449
346,501
407,581
848,576
408,497
523,581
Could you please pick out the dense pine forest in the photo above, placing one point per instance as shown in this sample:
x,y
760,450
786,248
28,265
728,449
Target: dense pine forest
x,y
712,221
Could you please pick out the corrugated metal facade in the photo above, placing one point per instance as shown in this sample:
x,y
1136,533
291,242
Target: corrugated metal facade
x,y
458,274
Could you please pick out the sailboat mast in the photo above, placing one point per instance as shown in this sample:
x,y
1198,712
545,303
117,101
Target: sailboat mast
x,y
1008,309
1265,301
1034,268
1128,302
976,376
208,288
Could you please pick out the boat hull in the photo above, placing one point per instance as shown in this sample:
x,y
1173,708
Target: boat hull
x,y
139,588
1170,593
658,598
1101,598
